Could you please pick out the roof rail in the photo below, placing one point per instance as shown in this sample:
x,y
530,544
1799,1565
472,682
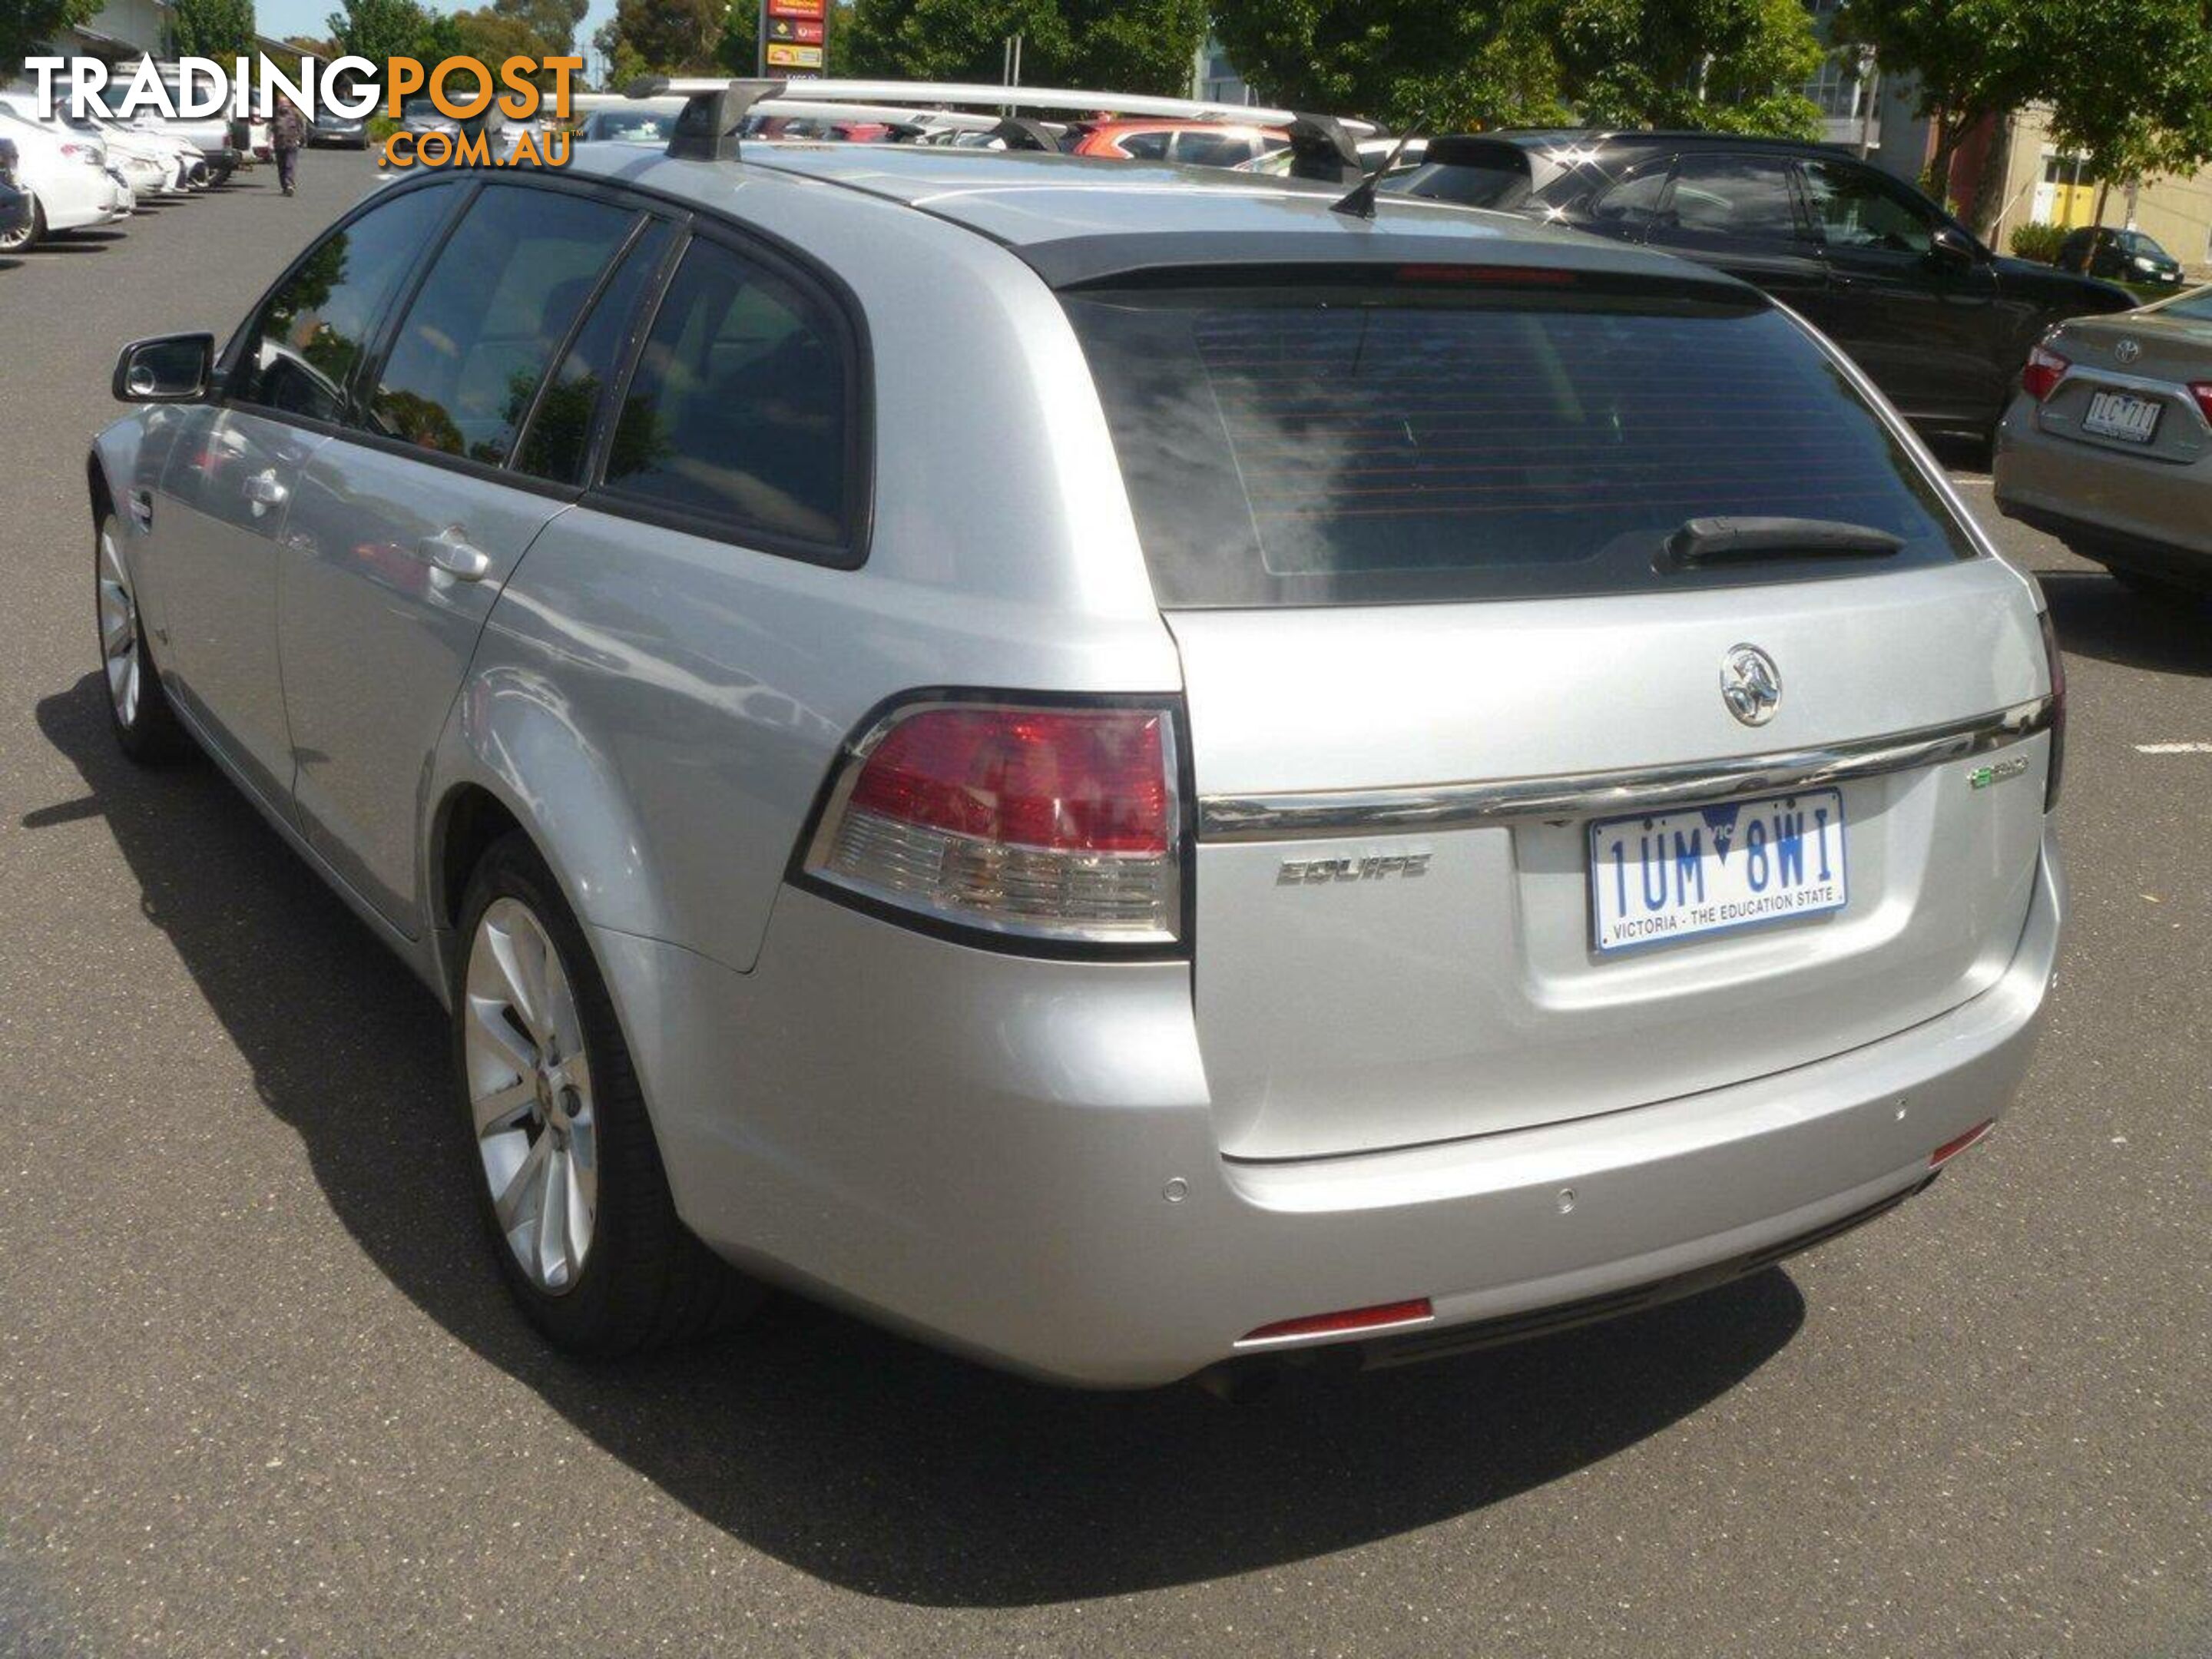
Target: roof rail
x,y
714,100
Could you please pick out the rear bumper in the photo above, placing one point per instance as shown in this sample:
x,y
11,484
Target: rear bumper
x,y
1015,1159
2126,509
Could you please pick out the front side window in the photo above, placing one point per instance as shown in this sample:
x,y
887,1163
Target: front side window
x,y
302,347
1859,208
503,295
738,409
1734,196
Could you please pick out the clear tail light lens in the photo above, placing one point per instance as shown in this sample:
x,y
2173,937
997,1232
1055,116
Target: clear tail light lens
x,y
2058,711
1047,823
2040,378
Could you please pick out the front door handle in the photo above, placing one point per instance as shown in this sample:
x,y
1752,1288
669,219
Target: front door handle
x,y
264,490
450,551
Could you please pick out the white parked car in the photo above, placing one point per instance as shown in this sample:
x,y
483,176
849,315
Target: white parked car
x,y
148,163
66,177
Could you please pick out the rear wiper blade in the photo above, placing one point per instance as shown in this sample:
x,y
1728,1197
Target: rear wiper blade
x,y
1724,541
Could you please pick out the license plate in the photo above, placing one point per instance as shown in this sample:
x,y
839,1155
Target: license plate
x,y
2120,415
1669,876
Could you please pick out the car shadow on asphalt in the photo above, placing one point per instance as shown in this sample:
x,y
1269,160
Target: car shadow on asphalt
x,y
2098,617
867,1461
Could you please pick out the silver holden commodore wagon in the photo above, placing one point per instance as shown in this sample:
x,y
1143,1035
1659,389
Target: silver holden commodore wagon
x,y
1112,767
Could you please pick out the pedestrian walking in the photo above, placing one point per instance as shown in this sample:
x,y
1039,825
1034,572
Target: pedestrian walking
x,y
288,135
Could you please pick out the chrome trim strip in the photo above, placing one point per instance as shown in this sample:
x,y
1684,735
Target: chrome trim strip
x,y
1328,813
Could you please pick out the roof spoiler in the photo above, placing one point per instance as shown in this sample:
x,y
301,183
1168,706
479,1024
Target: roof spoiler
x,y
715,108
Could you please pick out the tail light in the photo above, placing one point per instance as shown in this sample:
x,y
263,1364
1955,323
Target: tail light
x,y
2041,376
2057,710
1042,822
2201,391
84,153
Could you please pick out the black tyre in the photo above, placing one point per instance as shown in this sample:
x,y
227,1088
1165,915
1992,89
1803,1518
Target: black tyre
x,y
569,1178
2155,590
146,727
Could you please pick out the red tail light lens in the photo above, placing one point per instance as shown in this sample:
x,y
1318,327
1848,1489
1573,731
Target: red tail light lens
x,y
2201,391
1049,821
2057,664
2040,378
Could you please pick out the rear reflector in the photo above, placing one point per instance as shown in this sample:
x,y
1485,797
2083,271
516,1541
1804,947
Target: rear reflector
x,y
1951,1149
1388,1316
1050,822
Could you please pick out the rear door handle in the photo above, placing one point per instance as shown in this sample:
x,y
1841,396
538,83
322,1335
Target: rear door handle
x,y
451,552
142,509
264,490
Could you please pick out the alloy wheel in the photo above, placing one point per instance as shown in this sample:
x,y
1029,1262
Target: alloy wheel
x,y
119,630
530,1095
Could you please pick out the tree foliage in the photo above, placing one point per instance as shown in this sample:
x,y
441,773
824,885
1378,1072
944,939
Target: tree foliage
x,y
2129,84
1134,46
377,30
28,27
662,37
212,28
1733,64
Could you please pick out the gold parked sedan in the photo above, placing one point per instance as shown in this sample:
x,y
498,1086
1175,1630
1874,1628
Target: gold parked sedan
x,y
2108,447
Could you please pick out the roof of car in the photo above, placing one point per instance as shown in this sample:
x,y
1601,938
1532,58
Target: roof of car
x,y
1078,218
1641,137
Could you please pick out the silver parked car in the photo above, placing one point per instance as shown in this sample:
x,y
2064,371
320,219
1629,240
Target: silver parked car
x,y
2108,447
1104,763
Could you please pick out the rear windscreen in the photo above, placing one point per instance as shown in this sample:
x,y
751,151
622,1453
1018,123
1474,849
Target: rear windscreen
x,y
1308,444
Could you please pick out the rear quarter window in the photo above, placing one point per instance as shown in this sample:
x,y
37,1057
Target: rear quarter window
x,y
1321,442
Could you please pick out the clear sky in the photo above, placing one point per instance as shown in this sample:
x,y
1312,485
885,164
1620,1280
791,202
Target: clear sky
x,y
280,18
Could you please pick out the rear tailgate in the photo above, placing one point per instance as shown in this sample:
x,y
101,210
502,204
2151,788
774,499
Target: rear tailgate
x,y
1413,547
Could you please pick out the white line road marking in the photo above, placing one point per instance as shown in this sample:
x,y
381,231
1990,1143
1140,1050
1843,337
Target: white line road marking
x,y
2173,749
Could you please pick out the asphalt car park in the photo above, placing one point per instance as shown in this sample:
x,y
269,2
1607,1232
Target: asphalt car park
x,y
265,1390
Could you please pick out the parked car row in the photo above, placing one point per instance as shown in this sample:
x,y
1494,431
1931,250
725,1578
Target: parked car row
x,y
68,172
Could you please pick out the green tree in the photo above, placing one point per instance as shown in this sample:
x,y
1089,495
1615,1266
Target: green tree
x,y
377,30
1973,59
2135,94
31,27
212,28
551,22
1733,64
661,37
1124,46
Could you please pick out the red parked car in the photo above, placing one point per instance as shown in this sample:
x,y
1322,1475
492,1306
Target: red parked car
x,y
1195,143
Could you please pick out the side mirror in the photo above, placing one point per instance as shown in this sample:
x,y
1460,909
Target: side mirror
x,y
1954,246
176,368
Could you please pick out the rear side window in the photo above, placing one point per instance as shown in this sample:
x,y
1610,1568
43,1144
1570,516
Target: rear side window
x,y
738,411
1143,146
558,442
1314,444
496,307
1734,196
305,343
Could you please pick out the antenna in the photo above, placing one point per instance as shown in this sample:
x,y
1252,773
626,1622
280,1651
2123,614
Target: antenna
x,y
1359,201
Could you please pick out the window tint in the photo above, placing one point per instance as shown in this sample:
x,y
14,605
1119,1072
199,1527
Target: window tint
x,y
1313,443
1143,146
305,343
737,411
1633,204
1746,196
496,305
559,440
1212,150
1858,207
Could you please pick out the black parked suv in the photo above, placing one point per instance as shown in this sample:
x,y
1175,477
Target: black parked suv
x,y
1940,324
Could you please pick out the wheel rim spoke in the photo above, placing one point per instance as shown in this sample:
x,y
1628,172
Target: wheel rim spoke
x,y
529,1083
119,631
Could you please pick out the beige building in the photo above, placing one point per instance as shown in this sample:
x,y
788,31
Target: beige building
x,y
2043,184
